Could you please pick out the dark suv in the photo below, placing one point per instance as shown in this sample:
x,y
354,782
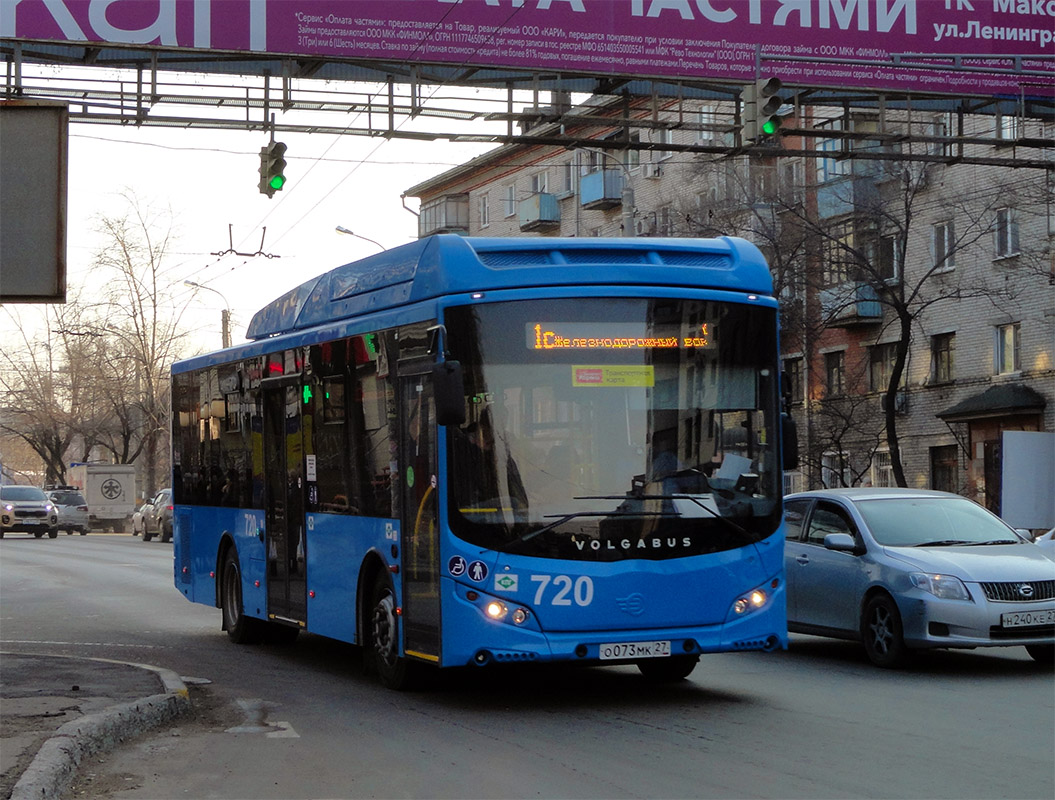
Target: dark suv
x,y
27,509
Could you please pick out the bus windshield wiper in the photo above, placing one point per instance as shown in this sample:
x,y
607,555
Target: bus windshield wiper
x,y
742,531
562,518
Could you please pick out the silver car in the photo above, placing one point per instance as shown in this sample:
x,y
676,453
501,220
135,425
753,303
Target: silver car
x,y
72,509
907,569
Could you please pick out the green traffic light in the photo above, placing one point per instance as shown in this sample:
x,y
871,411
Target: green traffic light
x,y
277,181
770,126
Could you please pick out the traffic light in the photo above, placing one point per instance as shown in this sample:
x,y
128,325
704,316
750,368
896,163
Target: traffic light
x,y
760,105
272,168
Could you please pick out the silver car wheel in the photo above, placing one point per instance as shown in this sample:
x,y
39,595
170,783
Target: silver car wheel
x,y
881,632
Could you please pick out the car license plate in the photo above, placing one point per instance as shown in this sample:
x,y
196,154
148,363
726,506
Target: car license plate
x,y
1022,619
617,650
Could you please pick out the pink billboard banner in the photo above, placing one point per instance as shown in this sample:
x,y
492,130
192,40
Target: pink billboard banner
x,y
999,47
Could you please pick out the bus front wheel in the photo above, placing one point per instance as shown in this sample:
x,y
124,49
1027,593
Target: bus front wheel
x,y
240,628
394,670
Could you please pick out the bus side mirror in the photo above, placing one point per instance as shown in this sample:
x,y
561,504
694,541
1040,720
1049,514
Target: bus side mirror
x,y
449,391
789,444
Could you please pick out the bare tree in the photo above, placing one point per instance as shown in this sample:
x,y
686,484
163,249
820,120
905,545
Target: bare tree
x,y
45,378
862,237
96,374
846,431
140,333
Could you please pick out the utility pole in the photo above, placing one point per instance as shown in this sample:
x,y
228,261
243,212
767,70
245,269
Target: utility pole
x,y
225,313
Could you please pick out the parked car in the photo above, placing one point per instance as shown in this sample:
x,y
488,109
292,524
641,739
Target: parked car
x,y
137,517
27,509
1047,542
72,509
157,517
906,569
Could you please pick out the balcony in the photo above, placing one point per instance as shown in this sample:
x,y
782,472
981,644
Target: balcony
x,y
850,304
449,214
539,212
846,195
601,189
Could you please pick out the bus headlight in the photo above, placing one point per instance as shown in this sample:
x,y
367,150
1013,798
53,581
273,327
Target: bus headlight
x,y
499,611
753,600
496,610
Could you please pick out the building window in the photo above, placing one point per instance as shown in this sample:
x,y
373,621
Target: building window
x,y
943,468
540,183
835,470
591,161
840,258
665,221
485,213
941,129
882,470
567,182
942,246
942,350
794,481
511,200
632,156
664,136
795,378
763,179
1008,127
710,119
832,164
1006,233
882,256
792,181
881,365
834,368
1005,349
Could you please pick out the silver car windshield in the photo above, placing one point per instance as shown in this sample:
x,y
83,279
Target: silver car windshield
x,y
911,522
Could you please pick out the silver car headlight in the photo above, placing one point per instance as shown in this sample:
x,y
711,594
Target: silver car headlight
x,y
947,587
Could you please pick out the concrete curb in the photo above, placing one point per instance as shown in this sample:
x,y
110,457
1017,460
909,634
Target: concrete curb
x,y
55,766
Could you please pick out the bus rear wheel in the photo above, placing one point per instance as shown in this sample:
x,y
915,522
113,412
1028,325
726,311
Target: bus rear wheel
x,y
240,628
394,670
668,670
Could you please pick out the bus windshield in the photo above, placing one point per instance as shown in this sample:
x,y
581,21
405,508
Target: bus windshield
x,y
615,428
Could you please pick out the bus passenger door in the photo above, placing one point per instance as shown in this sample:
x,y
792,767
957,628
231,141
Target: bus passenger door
x,y
284,498
421,598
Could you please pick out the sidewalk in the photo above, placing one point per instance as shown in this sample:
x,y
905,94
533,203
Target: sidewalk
x,y
57,710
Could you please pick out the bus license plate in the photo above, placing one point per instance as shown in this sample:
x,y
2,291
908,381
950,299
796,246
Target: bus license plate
x,y
618,650
1021,619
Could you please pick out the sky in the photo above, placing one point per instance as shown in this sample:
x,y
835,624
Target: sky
x,y
208,181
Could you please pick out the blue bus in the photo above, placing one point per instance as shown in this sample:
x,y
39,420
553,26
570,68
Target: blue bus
x,y
477,451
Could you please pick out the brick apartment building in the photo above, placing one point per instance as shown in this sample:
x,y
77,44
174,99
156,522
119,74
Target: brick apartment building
x,y
938,270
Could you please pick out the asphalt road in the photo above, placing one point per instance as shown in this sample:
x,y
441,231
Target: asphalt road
x,y
815,722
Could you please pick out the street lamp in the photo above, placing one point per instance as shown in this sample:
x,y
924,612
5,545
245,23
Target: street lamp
x,y
225,315
342,229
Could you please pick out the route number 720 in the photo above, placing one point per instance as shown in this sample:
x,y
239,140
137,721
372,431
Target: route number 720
x,y
565,589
